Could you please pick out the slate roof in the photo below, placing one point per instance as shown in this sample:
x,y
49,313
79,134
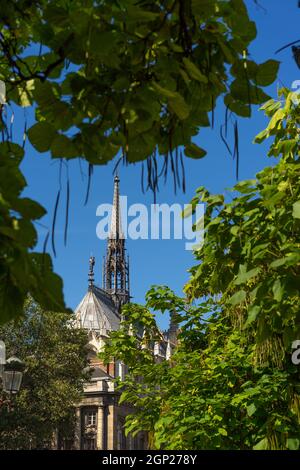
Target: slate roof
x,y
97,312
98,373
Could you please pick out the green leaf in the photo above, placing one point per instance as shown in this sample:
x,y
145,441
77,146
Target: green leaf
x,y
41,136
251,409
290,260
261,136
270,107
243,276
241,89
193,71
179,107
11,299
25,93
278,262
246,186
204,8
296,210
237,106
175,100
12,152
134,13
237,298
51,298
253,311
278,290
267,72
107,53
276,119
46,93
62,146
292,443
193,151
285,147
164,91
222,431
226,51
235,230
29,208
262,445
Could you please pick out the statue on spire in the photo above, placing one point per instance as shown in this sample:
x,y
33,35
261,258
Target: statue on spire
x,y
91,271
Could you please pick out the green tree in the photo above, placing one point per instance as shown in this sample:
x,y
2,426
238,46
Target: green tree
x,y
109,78
231,383
55,357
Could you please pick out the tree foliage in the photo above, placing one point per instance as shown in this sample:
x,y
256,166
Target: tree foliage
x,y
231,383
55,357
110,78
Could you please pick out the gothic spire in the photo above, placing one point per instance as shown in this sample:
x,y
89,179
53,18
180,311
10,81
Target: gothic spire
x,y
115,225
115,266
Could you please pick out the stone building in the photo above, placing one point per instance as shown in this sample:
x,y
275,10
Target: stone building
x,y
99,417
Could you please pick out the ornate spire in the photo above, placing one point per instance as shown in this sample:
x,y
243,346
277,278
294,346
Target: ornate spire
x,y
91,271
115,225
115,266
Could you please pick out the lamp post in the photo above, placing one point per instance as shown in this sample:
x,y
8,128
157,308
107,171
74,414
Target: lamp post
x,y
11,373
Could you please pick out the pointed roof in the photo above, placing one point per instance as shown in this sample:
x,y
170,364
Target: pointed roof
x,y
97,312
115,225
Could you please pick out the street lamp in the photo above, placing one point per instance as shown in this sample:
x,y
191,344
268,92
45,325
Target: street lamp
x,y
13,374
2,357
11,371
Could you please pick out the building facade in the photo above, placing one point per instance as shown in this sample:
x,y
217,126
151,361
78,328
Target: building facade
x,y
99,417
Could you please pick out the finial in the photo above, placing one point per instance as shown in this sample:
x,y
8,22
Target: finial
x,y
91,271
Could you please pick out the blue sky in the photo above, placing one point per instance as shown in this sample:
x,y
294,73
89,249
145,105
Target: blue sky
x,y
157,261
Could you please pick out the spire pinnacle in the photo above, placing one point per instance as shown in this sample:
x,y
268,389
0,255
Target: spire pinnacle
x,y
115,225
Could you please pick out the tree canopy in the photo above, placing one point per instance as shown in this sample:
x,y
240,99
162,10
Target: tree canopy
x,y
129,79
55,357
231,383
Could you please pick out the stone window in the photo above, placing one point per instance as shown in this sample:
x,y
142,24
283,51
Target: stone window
x,y
91,417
